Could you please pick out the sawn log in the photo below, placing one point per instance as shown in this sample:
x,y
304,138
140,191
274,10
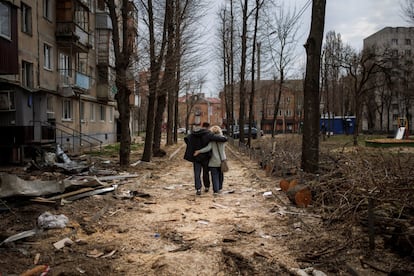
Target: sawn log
x,y
300,195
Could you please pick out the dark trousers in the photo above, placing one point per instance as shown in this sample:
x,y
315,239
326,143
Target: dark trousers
x,y
198,168
217,178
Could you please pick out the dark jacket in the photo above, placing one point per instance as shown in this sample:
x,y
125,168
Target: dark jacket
x,y
199,139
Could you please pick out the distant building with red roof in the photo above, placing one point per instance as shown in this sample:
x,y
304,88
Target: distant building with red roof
x,y
199,109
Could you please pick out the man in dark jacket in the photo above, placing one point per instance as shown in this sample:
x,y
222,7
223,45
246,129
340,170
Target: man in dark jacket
x,y
199,138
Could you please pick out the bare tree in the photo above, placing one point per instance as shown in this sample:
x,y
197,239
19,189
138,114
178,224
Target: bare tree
x,y
362,68
242,92
407,7
192,97
310,142
156,62
226,38
257,8
167,78
172,123
330,94
123,33
283,29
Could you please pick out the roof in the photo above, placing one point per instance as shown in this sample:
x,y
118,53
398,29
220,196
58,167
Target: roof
x,y
201,100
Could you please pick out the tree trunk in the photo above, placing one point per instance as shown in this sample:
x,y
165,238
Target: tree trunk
x,y
123,50
122,99
161,103
310,142
149,131
358,114
242,109
155,68
167,80
252,91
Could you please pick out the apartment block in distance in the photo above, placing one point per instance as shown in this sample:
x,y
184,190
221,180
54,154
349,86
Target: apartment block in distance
x,y
56,77
395,101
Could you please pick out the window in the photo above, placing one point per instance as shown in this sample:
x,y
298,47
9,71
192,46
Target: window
x,y
395,117
101,5
81,17
26,19
65,68
408,53
27,74
394,53
394,41
92,112
50,111
5,20
7,100
50,104
47,9
111,113
47,56
81,64
102,112
67,109
82,111
407,41
269,112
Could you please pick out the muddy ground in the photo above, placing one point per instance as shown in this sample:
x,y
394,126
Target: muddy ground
x,y
165,229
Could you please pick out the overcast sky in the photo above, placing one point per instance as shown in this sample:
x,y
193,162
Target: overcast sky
x,y
353,19
358,19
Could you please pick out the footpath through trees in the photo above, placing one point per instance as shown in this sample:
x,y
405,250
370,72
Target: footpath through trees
x,y
155,224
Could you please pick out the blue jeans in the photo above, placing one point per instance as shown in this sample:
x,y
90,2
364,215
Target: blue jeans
x,y
198,167
217,177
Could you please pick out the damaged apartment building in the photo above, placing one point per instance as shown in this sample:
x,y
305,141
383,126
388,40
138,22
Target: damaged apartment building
x,y
57,77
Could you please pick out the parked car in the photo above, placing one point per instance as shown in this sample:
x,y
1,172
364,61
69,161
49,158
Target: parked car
x,y
236,132
181,130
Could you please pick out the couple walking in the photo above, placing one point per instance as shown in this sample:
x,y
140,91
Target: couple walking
x,y
205,149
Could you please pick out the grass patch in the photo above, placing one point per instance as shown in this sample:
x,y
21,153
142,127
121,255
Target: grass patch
x,y
349,139
113,149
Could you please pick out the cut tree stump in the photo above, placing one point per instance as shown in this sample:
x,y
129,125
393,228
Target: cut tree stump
x,y
284,185
293,183
300,195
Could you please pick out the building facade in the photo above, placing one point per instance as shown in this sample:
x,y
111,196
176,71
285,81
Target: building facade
x,y
394,101
199,109
57,79
289,115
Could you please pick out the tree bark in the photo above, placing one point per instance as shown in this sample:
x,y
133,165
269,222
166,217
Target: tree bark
x,y
242,109
310,143
155,68
123,50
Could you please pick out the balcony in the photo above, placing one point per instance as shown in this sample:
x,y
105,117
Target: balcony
x,y
103,21
71,81
105,87
70,34
106,92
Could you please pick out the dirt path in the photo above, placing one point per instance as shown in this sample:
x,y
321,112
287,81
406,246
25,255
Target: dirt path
x,y
176,232
165,229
